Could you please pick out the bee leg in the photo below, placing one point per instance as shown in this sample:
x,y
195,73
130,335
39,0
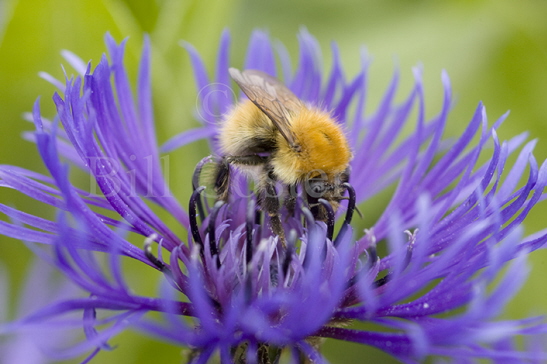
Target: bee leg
x,y
222,173
268,199
290,199
247,160
315,207
222,180
277,228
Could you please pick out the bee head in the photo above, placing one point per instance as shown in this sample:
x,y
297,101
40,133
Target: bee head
x,y
316,188
320,184
325,186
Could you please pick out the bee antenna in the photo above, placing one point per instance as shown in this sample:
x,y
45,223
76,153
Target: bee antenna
x,y
249,225
211,230
194,228
351,203
330,217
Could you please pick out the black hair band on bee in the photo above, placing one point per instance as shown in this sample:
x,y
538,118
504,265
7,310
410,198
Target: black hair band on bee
x,y
211,231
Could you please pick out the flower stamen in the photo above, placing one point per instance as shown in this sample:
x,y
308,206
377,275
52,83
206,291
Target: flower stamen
x,y
195,184
351,203
211,231
194,228
249,225
164,268
330,217
291,243
310,222
148,252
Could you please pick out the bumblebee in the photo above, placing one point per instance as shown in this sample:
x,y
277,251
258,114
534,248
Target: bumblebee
x,y
274,137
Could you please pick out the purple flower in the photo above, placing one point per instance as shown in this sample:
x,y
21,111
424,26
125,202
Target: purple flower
x,y
452,227
33,344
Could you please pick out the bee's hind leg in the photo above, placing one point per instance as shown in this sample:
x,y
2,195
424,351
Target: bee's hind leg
x,y
222,179
267,196
222,172
269,201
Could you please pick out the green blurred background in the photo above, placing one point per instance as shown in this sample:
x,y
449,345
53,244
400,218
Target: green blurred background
x,y
494,51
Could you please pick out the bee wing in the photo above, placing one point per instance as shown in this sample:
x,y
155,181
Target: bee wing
x,y
272,97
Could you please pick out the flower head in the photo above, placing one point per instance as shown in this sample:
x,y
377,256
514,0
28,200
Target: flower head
x,y
231,288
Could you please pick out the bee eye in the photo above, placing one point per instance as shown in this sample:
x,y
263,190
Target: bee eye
x,y
344,176
317,188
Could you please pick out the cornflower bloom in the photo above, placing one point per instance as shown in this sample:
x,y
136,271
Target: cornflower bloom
x,y
452,226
